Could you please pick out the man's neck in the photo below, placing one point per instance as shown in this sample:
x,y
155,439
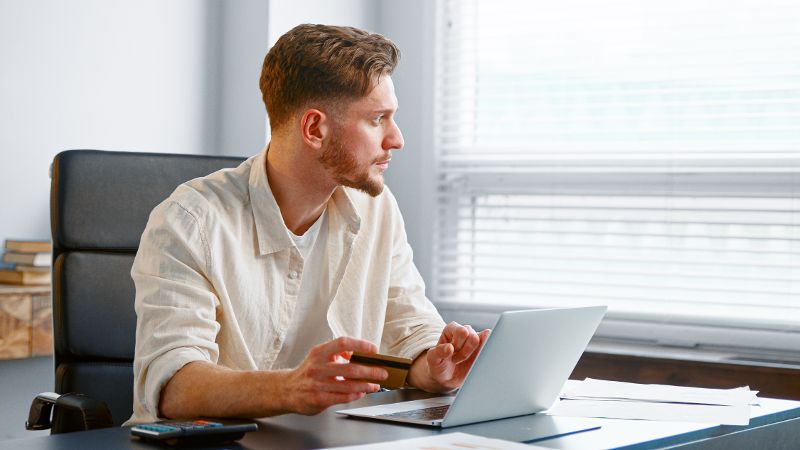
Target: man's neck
x,y
298,183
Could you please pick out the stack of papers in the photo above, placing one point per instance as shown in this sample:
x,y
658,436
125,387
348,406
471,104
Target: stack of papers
x,y
449,441
616,400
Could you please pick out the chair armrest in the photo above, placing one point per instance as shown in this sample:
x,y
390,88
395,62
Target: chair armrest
x,y
70,412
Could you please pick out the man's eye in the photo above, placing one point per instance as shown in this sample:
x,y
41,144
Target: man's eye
x,y
378,119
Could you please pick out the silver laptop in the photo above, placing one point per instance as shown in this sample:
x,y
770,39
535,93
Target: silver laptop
x,y
520,370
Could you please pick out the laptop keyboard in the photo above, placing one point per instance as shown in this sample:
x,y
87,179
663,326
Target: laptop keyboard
x,y
432,413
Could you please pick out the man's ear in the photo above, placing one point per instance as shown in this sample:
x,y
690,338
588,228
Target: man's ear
x,y
314,127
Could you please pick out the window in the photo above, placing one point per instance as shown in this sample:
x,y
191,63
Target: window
x,y
642,155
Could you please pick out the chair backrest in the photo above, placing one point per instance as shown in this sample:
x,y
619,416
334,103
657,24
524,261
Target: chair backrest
x,y
99,205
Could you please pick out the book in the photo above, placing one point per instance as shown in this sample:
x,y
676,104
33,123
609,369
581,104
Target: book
x,y
16,277
29,268
28,246
31,259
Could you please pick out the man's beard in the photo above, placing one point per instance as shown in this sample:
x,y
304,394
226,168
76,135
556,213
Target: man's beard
x,y
345,170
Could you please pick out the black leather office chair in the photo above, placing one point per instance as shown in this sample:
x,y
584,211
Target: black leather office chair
x,y
99,205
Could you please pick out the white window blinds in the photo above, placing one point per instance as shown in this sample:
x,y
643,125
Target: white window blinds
x,y
642,155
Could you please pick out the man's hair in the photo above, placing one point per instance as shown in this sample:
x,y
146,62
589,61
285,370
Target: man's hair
x,y
322,63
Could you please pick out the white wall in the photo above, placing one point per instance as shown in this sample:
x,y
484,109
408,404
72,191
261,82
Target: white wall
x,y
241,46
177,76
285,15
101,74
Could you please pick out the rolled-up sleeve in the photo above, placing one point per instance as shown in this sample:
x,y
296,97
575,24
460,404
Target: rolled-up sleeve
x,y
412,323
175,304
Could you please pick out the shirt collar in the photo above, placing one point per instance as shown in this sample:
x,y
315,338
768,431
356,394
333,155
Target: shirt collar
x,y
341,207
271,231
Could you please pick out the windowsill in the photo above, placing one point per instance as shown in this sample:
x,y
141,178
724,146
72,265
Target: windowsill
x,y
616,347
701,344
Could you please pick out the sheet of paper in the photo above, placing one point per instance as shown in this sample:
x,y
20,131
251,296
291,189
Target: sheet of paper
x,y
675,412
446,441
602,389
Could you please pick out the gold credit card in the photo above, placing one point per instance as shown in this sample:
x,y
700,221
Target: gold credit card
x,y
397,367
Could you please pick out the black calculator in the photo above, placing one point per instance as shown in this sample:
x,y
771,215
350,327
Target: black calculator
x,y
192,432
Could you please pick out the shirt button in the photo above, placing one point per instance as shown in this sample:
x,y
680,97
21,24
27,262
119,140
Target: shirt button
x,y
293,275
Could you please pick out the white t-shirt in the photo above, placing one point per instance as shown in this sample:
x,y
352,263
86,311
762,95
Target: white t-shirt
x,y
309,322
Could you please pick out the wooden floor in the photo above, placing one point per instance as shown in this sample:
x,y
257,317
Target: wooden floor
x,y
20,381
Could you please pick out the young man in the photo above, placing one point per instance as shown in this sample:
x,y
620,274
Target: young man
x,y
254,284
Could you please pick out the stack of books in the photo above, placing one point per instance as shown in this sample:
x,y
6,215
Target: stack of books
x,y
26,262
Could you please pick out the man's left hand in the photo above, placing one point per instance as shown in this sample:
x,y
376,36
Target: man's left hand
x,y
444,367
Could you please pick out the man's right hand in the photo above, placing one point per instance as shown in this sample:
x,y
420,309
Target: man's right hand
x,y
323,380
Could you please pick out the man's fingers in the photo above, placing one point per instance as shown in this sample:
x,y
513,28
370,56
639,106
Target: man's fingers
x,y
354,371
350,386
329,350
463,338
330,369
484,335
466,336
447,333
351,344
457,334
460,336
437,355
471,344
464,344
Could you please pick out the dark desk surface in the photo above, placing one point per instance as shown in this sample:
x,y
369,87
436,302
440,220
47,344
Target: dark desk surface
x,y
775,425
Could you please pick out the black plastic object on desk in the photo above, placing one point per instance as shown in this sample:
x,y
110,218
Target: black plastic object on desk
x,y
192,433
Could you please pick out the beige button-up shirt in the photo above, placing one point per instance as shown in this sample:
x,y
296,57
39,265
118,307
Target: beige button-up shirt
x,y
217,277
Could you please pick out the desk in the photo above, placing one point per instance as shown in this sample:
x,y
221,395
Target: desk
x,y
776,425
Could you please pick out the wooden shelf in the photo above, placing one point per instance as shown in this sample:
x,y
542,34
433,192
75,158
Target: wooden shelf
x,y
26,321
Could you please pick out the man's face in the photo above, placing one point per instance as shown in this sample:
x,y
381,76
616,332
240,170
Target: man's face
x,y
361,140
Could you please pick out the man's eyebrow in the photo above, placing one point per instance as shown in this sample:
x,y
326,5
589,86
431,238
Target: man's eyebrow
x,y
383,110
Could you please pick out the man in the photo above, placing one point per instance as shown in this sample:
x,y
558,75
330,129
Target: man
x,y
255,284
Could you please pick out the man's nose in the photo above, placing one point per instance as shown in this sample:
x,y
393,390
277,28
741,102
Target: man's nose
x,y
394,138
